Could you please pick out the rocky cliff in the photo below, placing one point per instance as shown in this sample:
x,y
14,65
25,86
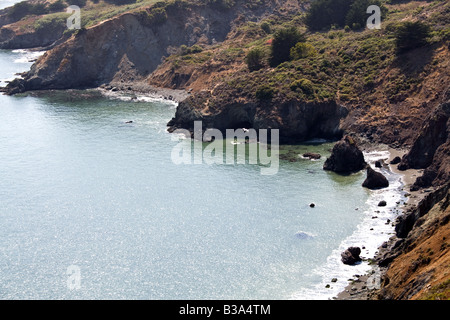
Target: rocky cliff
x,y
297,120
131,46
418,257
431,149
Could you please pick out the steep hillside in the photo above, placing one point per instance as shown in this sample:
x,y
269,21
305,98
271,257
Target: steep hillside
x,y
43,23
419,257
130,46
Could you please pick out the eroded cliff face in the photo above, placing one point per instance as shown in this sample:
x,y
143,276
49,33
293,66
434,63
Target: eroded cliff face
x,y
131,46
431,149
20,36
296,120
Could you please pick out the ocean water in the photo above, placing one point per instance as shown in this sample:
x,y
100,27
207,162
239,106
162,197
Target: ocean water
x,y
93,207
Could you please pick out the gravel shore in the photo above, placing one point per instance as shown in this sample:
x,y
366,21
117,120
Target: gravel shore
x,y
360,287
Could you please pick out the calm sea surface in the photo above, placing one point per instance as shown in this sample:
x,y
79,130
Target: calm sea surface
x,y
94,208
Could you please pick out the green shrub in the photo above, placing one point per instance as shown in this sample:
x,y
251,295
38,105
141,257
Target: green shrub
x,y
323,14
254,59
265,26
24,8
80,3
282,43
52,22
304,85
302,50
157,16
185,50
265,92
56,6
357,13
410,35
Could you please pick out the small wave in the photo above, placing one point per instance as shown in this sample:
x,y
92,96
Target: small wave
x,y
27,56
373,156
137,98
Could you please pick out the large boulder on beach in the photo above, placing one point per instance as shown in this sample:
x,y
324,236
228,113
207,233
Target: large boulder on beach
x,y
345,157
375,180
351,255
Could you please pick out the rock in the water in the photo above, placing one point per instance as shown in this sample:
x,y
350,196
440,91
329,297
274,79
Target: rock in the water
x,y
382,203
312,156
378,164
345,157
375,180
351,255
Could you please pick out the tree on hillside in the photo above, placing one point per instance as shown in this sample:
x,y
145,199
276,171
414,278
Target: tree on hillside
x,y
24,8
283,41
80,3
356,16
323,14
254,59
410,35
59,5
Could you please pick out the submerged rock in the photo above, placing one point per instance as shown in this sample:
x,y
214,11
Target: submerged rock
x,y
345,157
304,235
375,180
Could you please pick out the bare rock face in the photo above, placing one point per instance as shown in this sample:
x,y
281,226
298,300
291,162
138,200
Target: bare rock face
x,y
296,120
345,157
434,133
375,180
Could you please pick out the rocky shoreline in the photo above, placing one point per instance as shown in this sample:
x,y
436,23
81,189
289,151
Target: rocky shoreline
x,y
360,287
134,89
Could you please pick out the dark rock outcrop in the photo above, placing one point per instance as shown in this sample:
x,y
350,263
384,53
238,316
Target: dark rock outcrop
x,y
431,150
396,160
417,256
375,180
42,37
296,120
345,157
351,255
